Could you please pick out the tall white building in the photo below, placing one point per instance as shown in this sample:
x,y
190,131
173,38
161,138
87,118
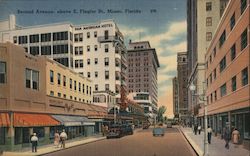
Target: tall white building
x,y
95,50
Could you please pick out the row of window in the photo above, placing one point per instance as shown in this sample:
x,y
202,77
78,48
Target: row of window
x,y
34,38
79,37
106,87
137,90
79,63
234,86
63,80
70,97
223,61
79,50
137,54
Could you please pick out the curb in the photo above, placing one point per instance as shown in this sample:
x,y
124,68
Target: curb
x,y
196,149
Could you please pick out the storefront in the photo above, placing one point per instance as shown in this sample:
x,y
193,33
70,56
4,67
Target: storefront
x,y
4,127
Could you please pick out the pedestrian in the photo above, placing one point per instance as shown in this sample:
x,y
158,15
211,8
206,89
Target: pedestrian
x,y
103,130
106,129
199,129
235,136
56,139
34,140
209,134
63,138
195,129
226,136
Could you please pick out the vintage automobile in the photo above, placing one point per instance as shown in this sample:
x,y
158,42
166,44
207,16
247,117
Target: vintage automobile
x,y
127,129
169,124
115,131
158,131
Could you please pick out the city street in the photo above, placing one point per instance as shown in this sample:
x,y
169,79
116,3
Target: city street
x,y
142,143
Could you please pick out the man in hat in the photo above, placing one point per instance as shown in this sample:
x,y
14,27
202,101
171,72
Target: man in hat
x,y
63,138
34,140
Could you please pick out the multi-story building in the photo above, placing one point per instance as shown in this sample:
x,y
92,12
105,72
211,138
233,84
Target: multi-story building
x,y
145,101
228,70
96,50
203,17
182,85
175,97
142,69
40,95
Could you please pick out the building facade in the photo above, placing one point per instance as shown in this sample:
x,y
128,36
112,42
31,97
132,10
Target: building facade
x,y
35,96
227,73
175,97
96,51
203,17
182,85
142,69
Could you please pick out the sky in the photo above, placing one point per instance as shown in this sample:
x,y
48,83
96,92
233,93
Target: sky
x,y
161,22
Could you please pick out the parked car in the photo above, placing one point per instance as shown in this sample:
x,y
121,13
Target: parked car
x,y
158,131
169,124
115,131
127,129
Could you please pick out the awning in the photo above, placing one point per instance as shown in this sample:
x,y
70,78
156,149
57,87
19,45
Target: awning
x,y
67,120
4,120
27,120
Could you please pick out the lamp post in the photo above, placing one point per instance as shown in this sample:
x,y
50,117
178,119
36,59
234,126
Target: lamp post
x,y
192,87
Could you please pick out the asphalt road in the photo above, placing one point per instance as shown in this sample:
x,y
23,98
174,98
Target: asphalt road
x,y
142,143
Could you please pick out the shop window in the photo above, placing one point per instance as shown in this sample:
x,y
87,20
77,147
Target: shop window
x,y
40,131
2,135
25,135
18,135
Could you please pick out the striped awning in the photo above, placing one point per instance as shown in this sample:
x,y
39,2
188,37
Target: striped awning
x,y
68,120
27,120
4,120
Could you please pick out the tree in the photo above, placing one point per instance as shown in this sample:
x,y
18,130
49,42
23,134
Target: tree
x,y
160,113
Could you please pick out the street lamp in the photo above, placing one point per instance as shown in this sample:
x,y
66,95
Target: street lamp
x,y
192,87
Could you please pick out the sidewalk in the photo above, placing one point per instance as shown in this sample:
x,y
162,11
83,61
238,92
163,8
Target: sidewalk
x,y
217,146
51,148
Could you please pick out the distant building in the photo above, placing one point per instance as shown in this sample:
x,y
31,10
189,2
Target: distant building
x,y
175,97
228,70
96,51
142,69
182,85
203,17
40,95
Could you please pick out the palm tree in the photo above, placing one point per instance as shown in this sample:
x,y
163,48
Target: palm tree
x,y
160,113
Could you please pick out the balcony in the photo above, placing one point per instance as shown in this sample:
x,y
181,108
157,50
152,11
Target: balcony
x,y
104,39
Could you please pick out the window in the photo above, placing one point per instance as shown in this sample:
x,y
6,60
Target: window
x,y
88,74
51,93
209,21
96,74
243,5
58,78
80,37
96,60
233,50
83,88
76,36
210,77
95,34
64,96
87,89
76,50
22,39
45,50
106,34
209,36
214,52
210,58
96,87
244,76
32,79
107,87
80,50
79,86
106,61
96,48
88,34
88,48
106,75
59,36
3,72
51,76
244,39
64,81
81,63
46,37
232,21
215,95
34,50
34,38
223,64
208,6
106,48
88,61
234,83
215,73
75,85
223,90
59,94
60,49
14,39
40,131
70,83
222,38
